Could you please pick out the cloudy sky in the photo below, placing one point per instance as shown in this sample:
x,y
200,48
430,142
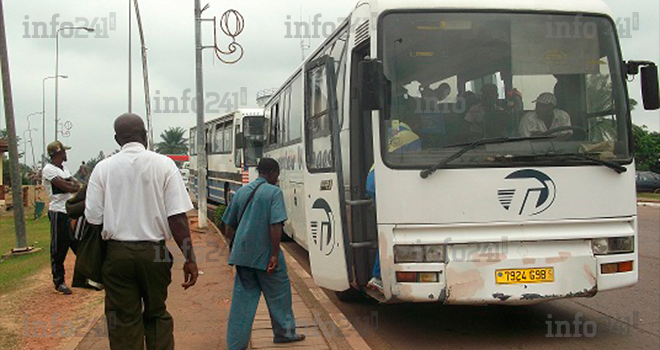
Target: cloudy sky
x,y
95,92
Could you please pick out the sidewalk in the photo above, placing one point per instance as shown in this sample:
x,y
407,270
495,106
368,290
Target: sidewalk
x,y
201,313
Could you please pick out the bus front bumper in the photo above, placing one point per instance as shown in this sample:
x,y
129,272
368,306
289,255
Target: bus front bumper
x,y
474,274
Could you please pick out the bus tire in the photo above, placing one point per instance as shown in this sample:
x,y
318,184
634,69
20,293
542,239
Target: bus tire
x,y
350,295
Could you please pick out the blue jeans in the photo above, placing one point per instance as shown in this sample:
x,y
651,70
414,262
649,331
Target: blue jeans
x,y
376,272
249,283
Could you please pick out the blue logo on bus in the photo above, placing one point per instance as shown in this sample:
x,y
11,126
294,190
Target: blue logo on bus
x,y
527,192
322,226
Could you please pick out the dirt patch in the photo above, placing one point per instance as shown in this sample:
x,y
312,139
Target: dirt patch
x,y
38,317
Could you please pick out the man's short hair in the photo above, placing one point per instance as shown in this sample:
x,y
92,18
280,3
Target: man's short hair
x,y
268,166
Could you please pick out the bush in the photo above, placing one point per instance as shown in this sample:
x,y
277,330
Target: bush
x,y
217,217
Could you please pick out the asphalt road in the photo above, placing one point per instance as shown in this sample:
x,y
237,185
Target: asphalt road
x,y
625,318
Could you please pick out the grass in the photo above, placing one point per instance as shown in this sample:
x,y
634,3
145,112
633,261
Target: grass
x,y
15,270
652,196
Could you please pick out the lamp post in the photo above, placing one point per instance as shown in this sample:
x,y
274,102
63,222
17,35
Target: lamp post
x,y
32,144
43,115
57,64
25,142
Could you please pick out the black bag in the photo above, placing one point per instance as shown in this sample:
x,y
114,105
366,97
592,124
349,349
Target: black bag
x,y
91,254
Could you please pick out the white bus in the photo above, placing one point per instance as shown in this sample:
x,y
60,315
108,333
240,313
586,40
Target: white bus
x,y
519,185
234,143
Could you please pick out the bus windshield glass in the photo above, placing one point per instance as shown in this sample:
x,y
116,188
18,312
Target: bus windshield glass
x,y
459,78
254,139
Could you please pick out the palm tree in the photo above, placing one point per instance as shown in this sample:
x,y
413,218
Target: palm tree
x,y
173,142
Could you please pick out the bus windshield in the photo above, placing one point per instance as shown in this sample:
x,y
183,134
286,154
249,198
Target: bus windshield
x,y
254,139
460,78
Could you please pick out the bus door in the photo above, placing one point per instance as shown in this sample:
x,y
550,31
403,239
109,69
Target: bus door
x,y
325,210
362,225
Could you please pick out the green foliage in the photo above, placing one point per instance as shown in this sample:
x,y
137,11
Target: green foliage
x,y
647,149
173,142
14,272
217,217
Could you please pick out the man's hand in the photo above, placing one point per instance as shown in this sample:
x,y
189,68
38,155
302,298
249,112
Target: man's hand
x,y
273,263
189,274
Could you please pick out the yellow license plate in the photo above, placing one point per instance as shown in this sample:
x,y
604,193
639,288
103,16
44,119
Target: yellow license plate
x,y
516,276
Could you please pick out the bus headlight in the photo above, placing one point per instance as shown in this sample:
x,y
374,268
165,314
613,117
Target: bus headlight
x,y
434,253
418,253
613,245
408,253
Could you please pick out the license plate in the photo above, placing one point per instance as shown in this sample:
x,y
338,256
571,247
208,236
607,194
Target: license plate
x,y
517,276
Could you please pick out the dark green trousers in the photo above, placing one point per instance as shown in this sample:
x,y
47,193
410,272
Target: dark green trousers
x,y
136,276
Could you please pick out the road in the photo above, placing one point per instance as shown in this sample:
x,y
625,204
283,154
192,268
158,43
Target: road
x,y
625,318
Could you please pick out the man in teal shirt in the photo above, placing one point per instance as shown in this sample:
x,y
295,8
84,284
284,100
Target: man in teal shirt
x,y
254,221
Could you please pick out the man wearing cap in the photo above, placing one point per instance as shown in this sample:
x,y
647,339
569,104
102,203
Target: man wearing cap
x,y
545,117
60,185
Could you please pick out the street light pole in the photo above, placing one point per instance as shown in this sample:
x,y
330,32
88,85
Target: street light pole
x,y
43,116
31,143
57,65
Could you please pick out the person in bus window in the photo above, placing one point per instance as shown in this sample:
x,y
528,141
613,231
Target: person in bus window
x,y
545,117
476,114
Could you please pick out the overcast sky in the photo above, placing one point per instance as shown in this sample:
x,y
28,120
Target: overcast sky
x,y
96,91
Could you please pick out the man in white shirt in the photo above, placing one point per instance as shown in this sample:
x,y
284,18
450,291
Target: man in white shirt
x,y
60,185
140,199
545,117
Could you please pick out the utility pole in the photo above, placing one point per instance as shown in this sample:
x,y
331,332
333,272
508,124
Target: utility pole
x,y
201,141
234,49
130,64
16,185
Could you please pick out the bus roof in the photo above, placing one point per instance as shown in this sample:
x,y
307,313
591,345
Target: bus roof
x,y
586,6
246,112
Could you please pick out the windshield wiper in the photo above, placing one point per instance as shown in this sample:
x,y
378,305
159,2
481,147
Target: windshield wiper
x,y
469,146
577,156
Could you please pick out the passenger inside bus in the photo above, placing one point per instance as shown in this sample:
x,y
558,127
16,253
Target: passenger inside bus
x,y
545,117
477,115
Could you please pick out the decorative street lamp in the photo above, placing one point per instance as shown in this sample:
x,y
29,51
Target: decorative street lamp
x,y
43,116
235,53
57,64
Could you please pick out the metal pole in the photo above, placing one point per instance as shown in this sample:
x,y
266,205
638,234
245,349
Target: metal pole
x,y
43,122
130,31
57,66
57,72
43,116
201,142
16,185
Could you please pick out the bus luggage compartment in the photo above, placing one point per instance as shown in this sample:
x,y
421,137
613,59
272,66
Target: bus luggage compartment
x,y
519,272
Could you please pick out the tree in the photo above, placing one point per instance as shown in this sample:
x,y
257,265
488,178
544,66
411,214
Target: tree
x,y
647,149
173,142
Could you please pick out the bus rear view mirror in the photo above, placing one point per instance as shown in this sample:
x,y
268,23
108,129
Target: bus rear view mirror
x,y
372,84
650,87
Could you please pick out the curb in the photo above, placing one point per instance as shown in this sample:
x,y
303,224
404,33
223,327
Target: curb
x,y
350,338
324,311
97,314
649,204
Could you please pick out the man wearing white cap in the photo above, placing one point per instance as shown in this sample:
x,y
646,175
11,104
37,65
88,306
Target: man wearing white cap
x,y
545,117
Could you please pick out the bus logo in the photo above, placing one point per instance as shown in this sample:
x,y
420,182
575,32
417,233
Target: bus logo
x,y
323,226
527,192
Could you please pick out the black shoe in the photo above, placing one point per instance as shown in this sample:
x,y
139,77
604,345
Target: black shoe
x,y
62,288
297,337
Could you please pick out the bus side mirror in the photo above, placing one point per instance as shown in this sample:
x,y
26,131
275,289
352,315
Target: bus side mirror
x,y
372,85
650,87
240,141
649,82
